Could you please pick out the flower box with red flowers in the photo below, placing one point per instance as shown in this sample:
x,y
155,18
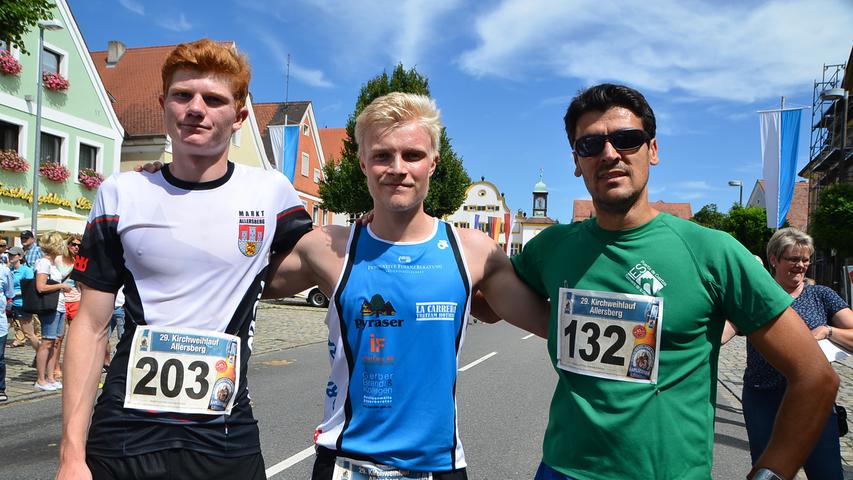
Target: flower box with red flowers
x,y
9,65
54,81
54,171
11,161
90,178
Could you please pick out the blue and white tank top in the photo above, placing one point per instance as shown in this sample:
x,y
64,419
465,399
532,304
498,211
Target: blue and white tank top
x,y
396,327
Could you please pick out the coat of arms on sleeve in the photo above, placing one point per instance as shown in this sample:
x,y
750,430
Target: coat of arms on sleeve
x,y
250,235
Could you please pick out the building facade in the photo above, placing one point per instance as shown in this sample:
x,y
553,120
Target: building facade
x,y
80,132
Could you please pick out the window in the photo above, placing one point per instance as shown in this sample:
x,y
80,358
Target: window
x,y
306,129
315,214
51,148
514,248
88,157
50,61
322,217
316,175
305,160
9,136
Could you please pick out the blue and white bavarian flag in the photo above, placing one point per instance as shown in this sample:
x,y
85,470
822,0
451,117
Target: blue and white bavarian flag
x,y
780,137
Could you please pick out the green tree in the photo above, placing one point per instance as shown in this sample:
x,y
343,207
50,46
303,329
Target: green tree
x,y
832,223
377,304
749,226
345,187
17,17
710,217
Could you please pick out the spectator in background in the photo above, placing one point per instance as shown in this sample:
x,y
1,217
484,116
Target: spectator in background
x,y
828,317
32,252
23,321
52,322
65,264
6,292
4,256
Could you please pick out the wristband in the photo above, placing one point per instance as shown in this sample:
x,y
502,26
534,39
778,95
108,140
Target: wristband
x,y
829,333
766,474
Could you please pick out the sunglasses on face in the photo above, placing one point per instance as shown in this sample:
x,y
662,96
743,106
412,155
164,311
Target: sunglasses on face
x,y
628,139
74,245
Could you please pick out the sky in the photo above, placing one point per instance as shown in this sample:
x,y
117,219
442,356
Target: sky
x,y
504,71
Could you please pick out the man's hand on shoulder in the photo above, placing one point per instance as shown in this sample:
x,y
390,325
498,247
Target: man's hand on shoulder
x,y
150,167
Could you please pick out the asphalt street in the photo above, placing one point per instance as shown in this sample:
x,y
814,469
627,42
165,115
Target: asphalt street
x,y
505,384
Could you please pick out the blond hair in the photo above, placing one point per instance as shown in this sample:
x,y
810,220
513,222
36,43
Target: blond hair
x,y
395,109
53,244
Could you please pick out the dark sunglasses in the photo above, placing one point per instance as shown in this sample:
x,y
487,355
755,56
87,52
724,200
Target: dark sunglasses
x,y
628,139
75,244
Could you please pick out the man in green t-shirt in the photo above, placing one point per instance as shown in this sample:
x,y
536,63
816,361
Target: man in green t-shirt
x,y
638,302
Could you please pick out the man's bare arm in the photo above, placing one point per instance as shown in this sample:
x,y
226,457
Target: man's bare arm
x,y
812,385
84,356
505,293
316,259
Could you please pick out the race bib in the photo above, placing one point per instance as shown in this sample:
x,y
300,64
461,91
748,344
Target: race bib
x,y
182,370
347,469
610,335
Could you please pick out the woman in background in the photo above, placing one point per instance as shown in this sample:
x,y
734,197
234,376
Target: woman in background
x,y
828,317
53,321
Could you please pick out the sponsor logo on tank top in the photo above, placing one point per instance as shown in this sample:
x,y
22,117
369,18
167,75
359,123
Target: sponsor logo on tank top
x,y
374,313
435,311
645,279
250,233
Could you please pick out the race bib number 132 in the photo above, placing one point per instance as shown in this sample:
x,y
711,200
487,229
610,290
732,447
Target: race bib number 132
x,y
610,335
182,370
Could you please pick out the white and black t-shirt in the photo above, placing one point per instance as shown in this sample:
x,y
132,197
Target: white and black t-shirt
x,y
190,255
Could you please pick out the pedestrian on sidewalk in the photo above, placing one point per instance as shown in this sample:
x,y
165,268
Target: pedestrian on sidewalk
x,y
7,292
829,318
70,298
21,320
48,280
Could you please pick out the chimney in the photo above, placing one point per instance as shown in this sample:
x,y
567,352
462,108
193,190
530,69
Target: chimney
x,y
115,50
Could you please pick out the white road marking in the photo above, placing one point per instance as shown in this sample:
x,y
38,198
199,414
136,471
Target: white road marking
x,y
287,463
478,361
528,336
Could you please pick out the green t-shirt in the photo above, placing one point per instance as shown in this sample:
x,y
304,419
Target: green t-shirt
x,y
606,428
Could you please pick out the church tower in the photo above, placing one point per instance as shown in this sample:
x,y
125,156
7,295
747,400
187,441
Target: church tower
x,y
540,198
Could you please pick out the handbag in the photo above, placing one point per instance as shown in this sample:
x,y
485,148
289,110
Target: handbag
x,y
35,302
841,416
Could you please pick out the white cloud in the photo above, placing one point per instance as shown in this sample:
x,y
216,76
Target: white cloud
x,y
736,51
176,25
362,31
134,7
312,77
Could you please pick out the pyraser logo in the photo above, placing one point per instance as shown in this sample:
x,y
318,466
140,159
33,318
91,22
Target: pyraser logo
x,y
377,306
81,263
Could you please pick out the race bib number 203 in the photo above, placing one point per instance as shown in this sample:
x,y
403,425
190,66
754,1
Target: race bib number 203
x,y
609,335
182,370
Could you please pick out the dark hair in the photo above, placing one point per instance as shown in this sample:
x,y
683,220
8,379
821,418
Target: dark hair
x,y
602,97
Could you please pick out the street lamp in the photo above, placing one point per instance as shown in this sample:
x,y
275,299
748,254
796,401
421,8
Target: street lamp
x,y
739,184
43,25
839,94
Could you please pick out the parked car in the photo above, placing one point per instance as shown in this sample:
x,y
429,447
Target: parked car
x,y
314,297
